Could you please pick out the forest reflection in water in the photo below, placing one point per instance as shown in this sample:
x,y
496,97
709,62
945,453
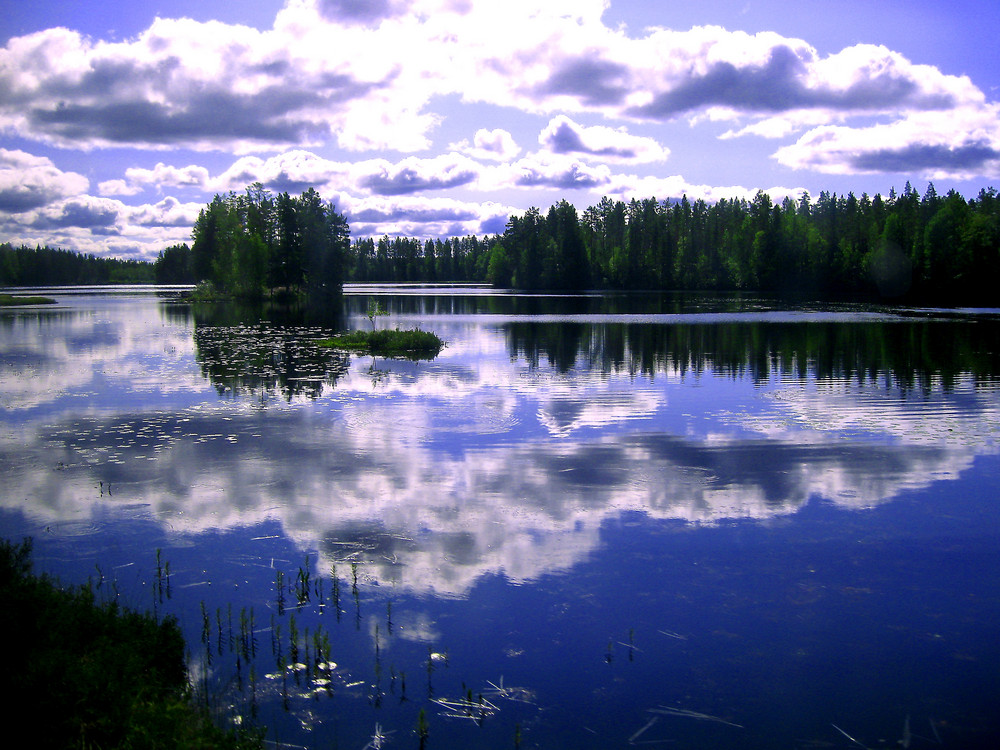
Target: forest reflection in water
x,y
914,350
568,486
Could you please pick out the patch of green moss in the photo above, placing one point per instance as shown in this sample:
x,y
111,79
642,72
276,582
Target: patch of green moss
x,y
9,300
388,342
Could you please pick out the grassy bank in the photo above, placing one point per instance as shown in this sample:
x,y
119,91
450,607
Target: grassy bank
x,y
86,673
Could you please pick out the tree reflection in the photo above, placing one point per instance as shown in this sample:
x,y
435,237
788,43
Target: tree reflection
x,y
909,354
273,355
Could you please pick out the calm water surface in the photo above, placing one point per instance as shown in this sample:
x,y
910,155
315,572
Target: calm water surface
x,y
588,523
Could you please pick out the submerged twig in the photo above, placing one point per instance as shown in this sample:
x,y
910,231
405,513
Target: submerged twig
x,y
377,739
848,736
668,711
634,737
519,694
466,708
672,634
937,736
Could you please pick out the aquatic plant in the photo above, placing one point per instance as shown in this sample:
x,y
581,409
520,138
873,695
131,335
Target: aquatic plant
x,y
279,587
302,583
423,729
374,310
293,640
336,591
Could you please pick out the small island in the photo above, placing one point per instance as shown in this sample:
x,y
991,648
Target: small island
x,y
10,300
413,343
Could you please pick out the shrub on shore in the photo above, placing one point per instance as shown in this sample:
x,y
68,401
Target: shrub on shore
x,y
10,300
87,673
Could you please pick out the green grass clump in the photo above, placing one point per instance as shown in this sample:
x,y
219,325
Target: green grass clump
x,y
90,674
7,300
388,342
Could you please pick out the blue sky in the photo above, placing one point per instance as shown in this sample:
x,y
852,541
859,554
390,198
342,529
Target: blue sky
x,y
440,117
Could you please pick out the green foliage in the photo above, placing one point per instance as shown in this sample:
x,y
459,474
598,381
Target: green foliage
x,y
499,271
388,342
87,673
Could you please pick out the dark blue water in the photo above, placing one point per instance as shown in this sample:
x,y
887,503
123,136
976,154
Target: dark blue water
x,y
589,523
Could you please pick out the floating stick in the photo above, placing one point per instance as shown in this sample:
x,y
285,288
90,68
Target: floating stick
x,y
668,711
848,736
936,735
672,634
634,737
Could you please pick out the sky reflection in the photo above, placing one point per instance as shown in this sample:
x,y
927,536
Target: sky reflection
x,y
500,456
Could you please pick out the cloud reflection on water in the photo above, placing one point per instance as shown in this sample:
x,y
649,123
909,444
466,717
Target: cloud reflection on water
x,y
439,473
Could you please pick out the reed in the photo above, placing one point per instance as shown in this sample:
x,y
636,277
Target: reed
x,y
276,647
206,625
253,692
423,729
318,591
355,592
218,625
293,642
279,587
335,583
246,633
310,665
158,585
206,633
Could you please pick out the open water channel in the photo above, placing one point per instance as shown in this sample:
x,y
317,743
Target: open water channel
x,y
590,522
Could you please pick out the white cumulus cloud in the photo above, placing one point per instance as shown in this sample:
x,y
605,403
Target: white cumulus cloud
x,y
564,136
30,182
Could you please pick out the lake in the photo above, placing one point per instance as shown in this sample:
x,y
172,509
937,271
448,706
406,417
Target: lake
x,y
591,521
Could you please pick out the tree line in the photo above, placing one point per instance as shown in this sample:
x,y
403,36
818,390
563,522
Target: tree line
x,y
930,246
908,246
46,266
933,246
